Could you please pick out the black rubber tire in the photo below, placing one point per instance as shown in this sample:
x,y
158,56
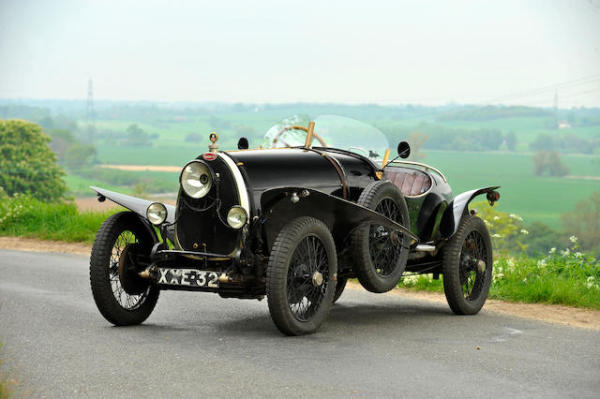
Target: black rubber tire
x,y
364,267
339,288
451,267
102,291
280,258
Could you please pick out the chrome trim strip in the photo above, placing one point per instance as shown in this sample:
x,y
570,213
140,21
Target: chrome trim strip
x,y
239,182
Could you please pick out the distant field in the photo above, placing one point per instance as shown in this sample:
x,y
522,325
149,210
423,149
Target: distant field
x,y
534,198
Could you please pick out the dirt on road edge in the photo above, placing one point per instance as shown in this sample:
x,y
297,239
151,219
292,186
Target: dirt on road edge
x,y
575,317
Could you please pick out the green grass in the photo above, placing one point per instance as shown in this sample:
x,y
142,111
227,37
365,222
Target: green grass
x,y
566,278
27,217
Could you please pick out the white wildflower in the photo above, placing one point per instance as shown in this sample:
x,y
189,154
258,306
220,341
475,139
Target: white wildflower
x,y
410,279
516,217
488,224
566,252
525,232
552,250
510,263
573,239
496,235
496,218
525,280
578,255
590,285
590,279
541,263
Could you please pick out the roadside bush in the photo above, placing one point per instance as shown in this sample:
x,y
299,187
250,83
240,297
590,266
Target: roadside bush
x,y
507,230
27,164
584,222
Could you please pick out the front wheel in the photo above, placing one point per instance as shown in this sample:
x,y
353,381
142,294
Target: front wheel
x,y
122,297
339,288
301,276
467,266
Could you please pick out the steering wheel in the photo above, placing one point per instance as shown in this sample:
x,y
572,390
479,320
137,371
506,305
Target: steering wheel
x,y
277,137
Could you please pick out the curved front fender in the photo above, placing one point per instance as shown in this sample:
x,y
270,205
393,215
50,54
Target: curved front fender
x,y
137,205
459,207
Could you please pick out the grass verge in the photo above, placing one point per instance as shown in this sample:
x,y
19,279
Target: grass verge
x,y
28,217
5,383
566,277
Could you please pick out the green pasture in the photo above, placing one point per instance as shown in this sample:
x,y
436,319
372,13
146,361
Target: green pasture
x,y
533,198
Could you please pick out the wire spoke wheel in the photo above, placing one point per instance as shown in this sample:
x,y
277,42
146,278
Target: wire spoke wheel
x,y
301,276
380,253
308,278
127,301
472,275
383,247
467,266
121,245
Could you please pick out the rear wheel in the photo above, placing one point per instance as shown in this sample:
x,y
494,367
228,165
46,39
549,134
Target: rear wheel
x,y
381,254
467,266
122,297
301,276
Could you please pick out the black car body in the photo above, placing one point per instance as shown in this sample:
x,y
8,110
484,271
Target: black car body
x,y
245,221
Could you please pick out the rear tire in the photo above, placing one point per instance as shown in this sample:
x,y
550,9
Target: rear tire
x,y
116,305
467,280
301,276
380,255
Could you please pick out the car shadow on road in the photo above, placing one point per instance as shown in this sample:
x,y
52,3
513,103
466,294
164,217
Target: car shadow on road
x,y
347,317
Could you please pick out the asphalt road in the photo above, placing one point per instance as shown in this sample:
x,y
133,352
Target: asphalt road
x,y
57,345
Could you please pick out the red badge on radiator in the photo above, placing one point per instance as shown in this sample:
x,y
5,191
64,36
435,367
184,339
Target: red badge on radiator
x,y
209,156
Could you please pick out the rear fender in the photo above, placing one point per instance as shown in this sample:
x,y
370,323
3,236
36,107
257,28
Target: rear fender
x,y
459,207
279,206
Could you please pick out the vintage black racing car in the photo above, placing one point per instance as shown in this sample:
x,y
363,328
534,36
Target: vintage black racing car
x,y
293,220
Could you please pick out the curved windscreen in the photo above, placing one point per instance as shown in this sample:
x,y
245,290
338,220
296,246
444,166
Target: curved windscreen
x,y
330,131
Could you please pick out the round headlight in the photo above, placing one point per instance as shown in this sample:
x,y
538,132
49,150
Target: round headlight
x,y
237,217
156,213
196,179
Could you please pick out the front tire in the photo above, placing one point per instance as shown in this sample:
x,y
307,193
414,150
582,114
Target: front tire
x,y
117,234
467,266
339,288
301,276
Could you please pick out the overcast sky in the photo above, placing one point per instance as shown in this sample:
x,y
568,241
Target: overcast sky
x,y
388,52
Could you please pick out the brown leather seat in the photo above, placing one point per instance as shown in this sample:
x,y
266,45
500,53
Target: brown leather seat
x,y
411,182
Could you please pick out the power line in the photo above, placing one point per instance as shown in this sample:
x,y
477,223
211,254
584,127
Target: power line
x,y
553,87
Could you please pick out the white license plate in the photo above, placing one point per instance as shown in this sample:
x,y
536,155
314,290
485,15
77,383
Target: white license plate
x,y
188,278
